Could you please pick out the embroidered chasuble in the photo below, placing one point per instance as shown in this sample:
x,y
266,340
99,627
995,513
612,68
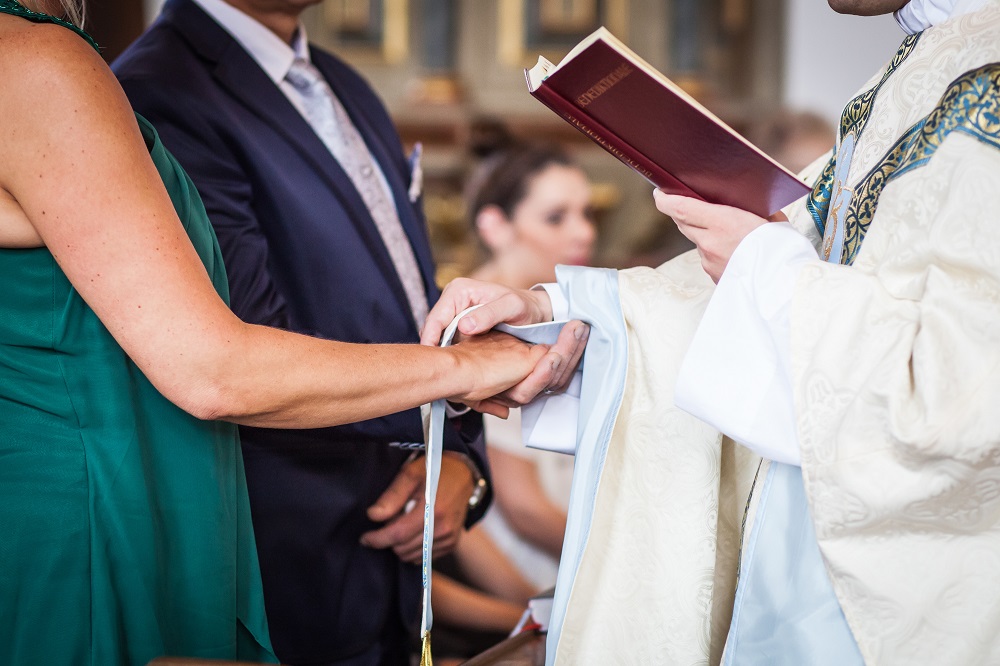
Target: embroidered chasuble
x,y
895,350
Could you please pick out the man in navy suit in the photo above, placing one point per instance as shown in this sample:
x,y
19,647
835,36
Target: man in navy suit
x,y
317,214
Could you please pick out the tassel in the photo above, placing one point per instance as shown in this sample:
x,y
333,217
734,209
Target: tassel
x,y
425,650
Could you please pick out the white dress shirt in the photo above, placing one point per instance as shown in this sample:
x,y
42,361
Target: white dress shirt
x,y
273,55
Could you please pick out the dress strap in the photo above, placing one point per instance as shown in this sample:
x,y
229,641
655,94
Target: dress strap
x,y
17,9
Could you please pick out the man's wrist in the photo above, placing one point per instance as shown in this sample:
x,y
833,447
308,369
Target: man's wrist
x,y
479,484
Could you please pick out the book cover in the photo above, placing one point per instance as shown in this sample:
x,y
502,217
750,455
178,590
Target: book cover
x,y
649,123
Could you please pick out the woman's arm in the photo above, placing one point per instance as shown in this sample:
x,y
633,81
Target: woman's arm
x,y
465,607
524,504
486,567
72,156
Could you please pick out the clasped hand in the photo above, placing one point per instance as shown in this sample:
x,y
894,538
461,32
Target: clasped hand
x,y
552,372
501,361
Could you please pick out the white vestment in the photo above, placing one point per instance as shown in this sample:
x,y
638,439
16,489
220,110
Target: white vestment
x,y
895,371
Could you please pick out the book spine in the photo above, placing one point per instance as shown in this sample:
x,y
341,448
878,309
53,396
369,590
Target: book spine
x,y
612,143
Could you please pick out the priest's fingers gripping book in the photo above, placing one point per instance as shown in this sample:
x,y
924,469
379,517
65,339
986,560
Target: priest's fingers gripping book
x,y
648,122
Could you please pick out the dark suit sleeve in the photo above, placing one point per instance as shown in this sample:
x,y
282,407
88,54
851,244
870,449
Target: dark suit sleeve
x,y
227,194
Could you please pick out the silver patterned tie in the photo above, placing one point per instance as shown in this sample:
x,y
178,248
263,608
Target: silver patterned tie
x,y
329,119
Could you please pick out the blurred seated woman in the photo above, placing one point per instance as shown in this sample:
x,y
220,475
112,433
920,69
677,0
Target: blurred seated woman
x,y
531,208
126,530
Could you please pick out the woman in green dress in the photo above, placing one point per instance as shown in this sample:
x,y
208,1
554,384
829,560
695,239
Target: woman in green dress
x,y
124,524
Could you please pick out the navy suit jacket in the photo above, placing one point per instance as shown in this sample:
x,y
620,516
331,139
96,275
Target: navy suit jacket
x,y
302,253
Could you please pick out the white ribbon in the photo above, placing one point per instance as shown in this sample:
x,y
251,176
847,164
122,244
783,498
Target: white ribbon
x,y
434,418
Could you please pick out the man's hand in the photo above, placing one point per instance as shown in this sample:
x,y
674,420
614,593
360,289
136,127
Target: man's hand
x,y
403,530
716,230
517,307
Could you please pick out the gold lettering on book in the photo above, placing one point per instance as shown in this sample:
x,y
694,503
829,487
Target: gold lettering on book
x,y
604,85
583,127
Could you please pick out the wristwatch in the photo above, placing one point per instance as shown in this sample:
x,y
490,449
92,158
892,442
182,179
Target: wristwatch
x,y
478,488
478,481
479,484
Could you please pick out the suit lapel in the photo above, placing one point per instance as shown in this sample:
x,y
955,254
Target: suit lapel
x,y
238,73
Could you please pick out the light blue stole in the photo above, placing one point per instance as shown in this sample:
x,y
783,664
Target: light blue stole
x,y
786,611
593,297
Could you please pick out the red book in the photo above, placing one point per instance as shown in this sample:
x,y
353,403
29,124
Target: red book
x,y
648,122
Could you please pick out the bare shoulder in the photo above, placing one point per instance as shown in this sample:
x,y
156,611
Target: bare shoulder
x,y
47,70
27,45
60,101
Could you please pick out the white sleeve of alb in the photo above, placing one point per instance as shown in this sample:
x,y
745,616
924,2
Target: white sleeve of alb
x,y
736,376
560,305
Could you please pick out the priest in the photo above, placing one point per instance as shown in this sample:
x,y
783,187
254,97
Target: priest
x,y
800,464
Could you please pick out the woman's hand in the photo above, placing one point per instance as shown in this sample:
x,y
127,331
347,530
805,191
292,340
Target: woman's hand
x,y
494,362
716,230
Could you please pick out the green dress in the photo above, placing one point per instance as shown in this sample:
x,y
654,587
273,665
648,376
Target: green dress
x,y
125,527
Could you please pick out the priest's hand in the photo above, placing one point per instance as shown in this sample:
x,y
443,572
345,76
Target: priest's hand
x,y
501,304
401,508
554,372
716,230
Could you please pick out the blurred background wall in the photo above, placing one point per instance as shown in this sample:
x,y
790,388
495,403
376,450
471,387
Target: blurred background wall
x,y
441,64
828,56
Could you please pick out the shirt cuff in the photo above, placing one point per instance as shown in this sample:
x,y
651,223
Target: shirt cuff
x,y
736,376
560,305
453,411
